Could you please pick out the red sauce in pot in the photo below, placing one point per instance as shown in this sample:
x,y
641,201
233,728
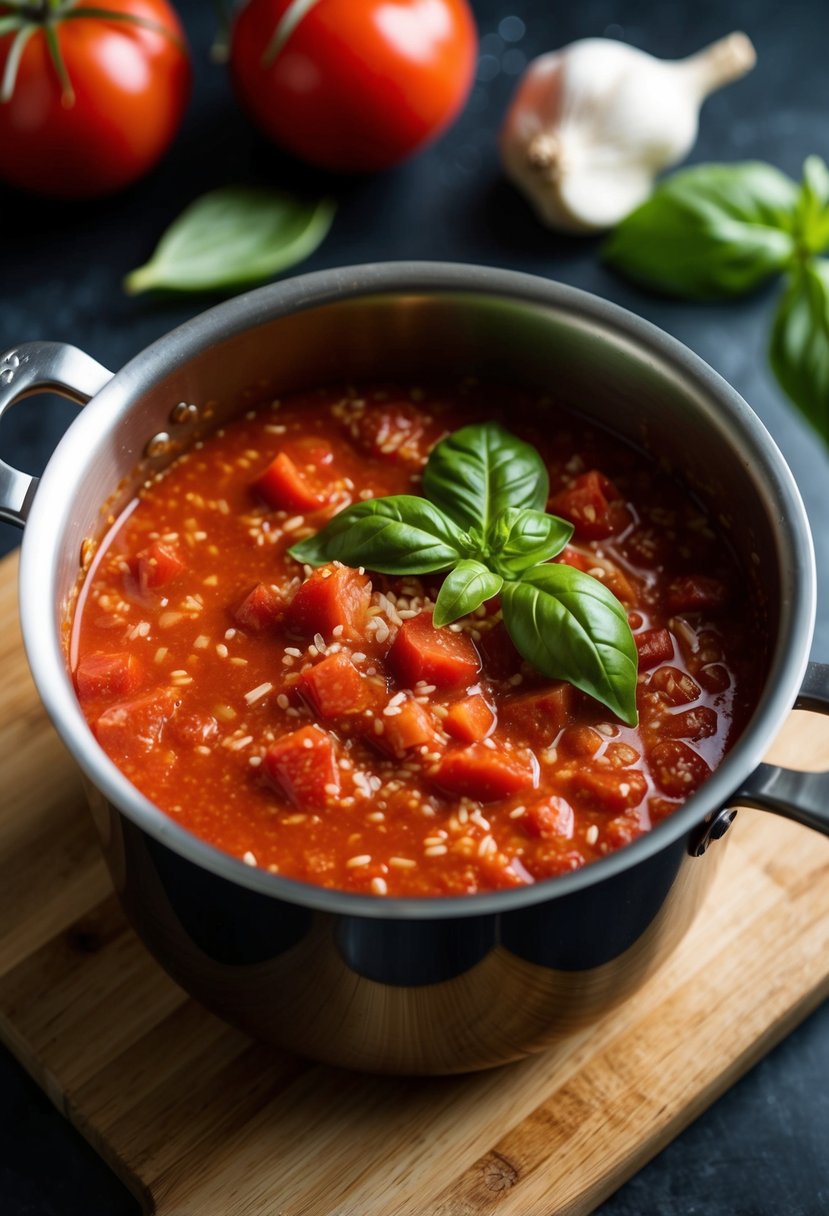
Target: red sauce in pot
x,y
316,724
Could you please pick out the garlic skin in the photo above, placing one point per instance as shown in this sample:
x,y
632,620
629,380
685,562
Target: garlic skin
x,y
591,125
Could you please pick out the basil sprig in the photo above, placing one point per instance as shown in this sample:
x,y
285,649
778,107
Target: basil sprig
x,y
486,529
718,231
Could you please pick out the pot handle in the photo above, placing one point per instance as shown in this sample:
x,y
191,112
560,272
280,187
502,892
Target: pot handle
x,y
36,367
803,797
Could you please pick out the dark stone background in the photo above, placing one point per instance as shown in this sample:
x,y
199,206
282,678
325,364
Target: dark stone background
x,y
762,1148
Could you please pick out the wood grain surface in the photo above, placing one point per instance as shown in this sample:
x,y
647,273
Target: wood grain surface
x,y
199,1121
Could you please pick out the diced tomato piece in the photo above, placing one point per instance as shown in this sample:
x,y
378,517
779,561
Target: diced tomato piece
x,y
541,715
335,688
609,790
661,808
573,557
677,769
330,597
193,729
550,817
261,609
108,675
303,766
283,487
437,656
580,741
593,505
500,658
655,646
621,755
157,565
697,723
677,685
390,430
485,773
696,593
470,719
135,727
622,830
714,677
412,727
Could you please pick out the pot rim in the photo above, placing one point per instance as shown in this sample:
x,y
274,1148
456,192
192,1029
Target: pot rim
x,y
40,553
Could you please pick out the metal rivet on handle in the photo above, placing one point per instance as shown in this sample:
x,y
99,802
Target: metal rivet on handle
x,y
713,829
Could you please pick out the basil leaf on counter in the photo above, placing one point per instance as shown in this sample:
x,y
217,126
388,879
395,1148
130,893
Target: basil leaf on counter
x,y
464,589
799,350
570,627
520,539
813,206
233,237
479,471
708,232
401,534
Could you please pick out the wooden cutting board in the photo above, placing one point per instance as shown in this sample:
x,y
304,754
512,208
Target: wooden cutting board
x,y
199,1121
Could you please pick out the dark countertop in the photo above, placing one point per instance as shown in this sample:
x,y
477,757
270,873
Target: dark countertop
x,y
762,1148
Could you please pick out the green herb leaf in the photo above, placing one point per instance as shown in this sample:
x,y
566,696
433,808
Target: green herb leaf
x,y
710,231
520,539
479,471
570,627
233,237
799,349
813,206
397,535
464,589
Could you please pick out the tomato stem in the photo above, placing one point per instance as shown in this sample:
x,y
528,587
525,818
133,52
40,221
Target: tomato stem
x,y
67,95
288,22
109,14
13,58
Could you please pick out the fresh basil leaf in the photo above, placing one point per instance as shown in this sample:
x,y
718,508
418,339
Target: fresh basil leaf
x,y
477,472
813,206
709,231
520,539
570,627
231,237
799,349
464,589
397,535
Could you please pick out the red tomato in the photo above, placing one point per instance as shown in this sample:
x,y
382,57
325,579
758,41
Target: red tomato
x,y
357,84
126,89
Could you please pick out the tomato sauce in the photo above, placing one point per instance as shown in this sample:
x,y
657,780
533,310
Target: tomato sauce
x,y
316,724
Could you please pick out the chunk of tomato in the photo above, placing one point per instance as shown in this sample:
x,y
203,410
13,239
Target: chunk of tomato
x,y
612,791
331,597
550,817
470,719
696,593
593,506
484,773
334,688
108,675
540,715
285,488
677,769
676,684
157,565
260,610
390,431
413,727
436,656
135,727
697,723
655,646
303,767
500,658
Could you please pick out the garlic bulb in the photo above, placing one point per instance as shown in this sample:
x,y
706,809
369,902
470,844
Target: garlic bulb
x,y
591,125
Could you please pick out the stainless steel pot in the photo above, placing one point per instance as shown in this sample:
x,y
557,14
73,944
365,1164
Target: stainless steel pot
x,y
401,985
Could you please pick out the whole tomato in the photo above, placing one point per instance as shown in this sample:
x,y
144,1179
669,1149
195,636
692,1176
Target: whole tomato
x,y
97,109
353,84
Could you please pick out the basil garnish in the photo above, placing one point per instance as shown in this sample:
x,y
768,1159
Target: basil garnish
x,y
464,589
564,622
571,627
715,231
401,534
479,471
